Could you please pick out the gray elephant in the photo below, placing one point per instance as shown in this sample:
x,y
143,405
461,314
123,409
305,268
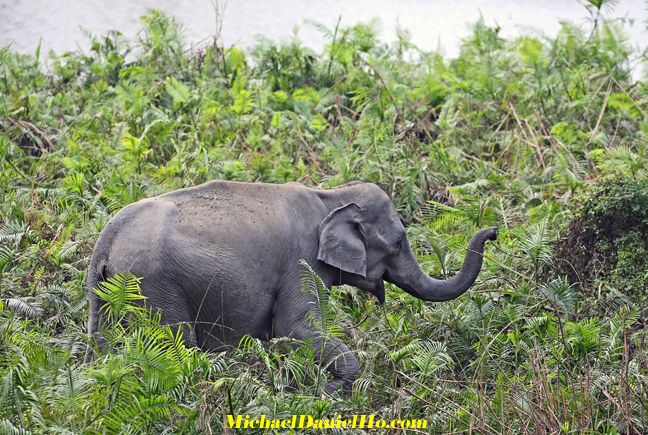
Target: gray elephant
x,y
222,259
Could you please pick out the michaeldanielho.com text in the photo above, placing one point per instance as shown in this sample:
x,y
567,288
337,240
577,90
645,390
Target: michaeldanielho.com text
x,y
306,421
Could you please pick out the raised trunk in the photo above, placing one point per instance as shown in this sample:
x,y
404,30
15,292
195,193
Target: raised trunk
x,y
411,278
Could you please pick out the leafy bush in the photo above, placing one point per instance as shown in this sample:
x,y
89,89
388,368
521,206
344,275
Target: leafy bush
x,y
607,241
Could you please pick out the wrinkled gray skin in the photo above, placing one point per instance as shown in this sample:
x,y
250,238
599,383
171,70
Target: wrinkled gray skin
x,y
222,260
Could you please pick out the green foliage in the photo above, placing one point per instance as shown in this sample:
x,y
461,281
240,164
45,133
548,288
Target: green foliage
x,y
606,244
118,292
323,316
511,133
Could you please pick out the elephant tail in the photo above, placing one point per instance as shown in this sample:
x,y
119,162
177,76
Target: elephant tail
x,y
95,274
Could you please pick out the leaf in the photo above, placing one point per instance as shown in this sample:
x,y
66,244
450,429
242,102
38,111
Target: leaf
x,y
427,356
6,427
135,415
25,306
14,232
243,102
118,292
561,295
322,314
74,183
319,123
178,91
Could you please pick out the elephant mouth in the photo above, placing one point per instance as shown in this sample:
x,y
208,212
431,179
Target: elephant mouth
x,y
378,291
374,286
387,278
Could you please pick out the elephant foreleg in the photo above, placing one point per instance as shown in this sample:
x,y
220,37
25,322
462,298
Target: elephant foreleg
x,y
341,362
333,354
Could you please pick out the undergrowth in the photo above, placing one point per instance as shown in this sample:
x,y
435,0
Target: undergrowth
x,y
514,133
607,241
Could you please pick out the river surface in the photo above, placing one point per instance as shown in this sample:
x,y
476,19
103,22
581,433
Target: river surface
x,y
433,24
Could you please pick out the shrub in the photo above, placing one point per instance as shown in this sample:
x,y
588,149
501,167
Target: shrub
x,y
606,243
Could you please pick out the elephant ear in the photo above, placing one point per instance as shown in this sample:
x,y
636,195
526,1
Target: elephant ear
x,y
340,243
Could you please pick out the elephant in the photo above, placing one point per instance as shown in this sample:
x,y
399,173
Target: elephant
x,y
224,260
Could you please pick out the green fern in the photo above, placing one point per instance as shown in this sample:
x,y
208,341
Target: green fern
x,y
140,414
535,242
623,319
149,349
426,356
14,232
25,306
560,295
118,293
584,337
6,427
322,314
250,343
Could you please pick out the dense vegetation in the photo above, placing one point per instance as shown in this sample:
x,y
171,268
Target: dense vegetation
x,y
544,137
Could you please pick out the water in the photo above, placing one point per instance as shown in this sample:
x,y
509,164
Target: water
x,y
433,24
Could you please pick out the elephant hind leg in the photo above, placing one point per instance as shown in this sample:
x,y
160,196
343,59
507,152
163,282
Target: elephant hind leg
x,y
174,311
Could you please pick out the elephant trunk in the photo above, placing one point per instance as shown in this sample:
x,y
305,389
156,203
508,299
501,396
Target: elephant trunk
x,y
413,280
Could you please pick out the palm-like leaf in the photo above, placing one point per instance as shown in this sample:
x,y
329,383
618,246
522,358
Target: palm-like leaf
x,y
133,417
25,306
118,292
322,314
14,232
8,428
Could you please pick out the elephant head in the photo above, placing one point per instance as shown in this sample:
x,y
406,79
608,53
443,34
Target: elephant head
x,y
364,238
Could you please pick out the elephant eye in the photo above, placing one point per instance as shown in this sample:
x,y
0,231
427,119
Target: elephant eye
x,y
398,245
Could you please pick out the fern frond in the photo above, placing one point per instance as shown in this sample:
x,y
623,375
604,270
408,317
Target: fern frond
x,y
118,292
322,313
560,294
7,255
14,232
536,243
6,427
624,318
136,415
428,356
250,343
362,385
399,354
25,306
